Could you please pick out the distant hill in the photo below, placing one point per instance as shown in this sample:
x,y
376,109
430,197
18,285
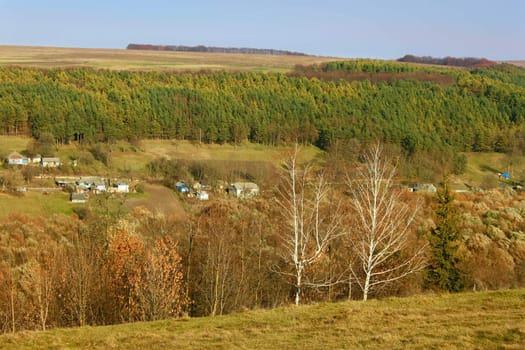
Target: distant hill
x,y
517,63
449,61
202,48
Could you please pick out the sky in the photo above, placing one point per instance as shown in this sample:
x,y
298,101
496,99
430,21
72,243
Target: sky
x,y
385,29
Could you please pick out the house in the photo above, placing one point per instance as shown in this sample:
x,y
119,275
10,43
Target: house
x,y
92,183
423,188
15,158
243,189
79,197
50,162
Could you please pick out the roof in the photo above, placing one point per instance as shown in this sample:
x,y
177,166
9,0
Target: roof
x,y
245,185
15,155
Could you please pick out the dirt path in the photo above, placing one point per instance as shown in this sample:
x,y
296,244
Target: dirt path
x,y
159,199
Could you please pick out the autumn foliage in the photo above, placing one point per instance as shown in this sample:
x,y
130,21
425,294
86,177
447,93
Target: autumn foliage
x,y
226,256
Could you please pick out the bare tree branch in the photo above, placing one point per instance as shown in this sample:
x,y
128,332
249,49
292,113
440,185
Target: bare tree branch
x,y
310,226
382,224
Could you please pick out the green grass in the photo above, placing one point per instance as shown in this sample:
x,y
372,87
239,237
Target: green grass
x,y
9,144
492,320
483,168
247,151
34,203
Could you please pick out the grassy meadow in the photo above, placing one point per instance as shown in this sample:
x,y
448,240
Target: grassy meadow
x,y
488,320
135,158
121,59
35,203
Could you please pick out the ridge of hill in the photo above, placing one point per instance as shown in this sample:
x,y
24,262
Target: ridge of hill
x,y
449,61
452,321
215,49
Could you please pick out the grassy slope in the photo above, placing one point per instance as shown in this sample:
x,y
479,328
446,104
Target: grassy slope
x,y
127,157
119,59
461,321
482,169
34,203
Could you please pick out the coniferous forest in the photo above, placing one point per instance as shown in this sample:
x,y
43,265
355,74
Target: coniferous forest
x,y
428,107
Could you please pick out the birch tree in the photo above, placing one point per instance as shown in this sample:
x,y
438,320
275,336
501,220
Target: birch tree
x,y
312,220
380,234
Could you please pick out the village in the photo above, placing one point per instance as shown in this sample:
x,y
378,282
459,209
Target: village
x,y
82,187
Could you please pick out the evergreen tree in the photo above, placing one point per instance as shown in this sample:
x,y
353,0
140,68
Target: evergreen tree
x,y
443,271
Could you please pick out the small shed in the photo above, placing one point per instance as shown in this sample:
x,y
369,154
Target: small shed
x,y
99,185
243,189
122,187
79,197
50,162
423,188
119,186
36,159
202,195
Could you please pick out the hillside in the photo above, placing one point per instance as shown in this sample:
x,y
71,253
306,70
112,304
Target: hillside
x,y
460,321
141,60
415,107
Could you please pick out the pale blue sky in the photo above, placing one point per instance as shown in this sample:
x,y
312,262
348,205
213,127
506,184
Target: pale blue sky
x,y
351,28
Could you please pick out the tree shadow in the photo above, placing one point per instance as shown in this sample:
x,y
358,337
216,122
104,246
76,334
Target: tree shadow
x,y
484,167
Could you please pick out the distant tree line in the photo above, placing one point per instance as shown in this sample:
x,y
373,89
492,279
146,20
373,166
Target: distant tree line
x,y
449,61
215,49
417,108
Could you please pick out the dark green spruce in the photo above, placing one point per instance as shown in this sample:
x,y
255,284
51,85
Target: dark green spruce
x,y
443,271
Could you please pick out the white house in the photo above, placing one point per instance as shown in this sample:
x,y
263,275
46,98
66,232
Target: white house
x,y
119,186
15,158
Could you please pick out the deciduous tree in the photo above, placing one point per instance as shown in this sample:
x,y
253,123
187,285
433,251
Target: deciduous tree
x,y
380,231
311,217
